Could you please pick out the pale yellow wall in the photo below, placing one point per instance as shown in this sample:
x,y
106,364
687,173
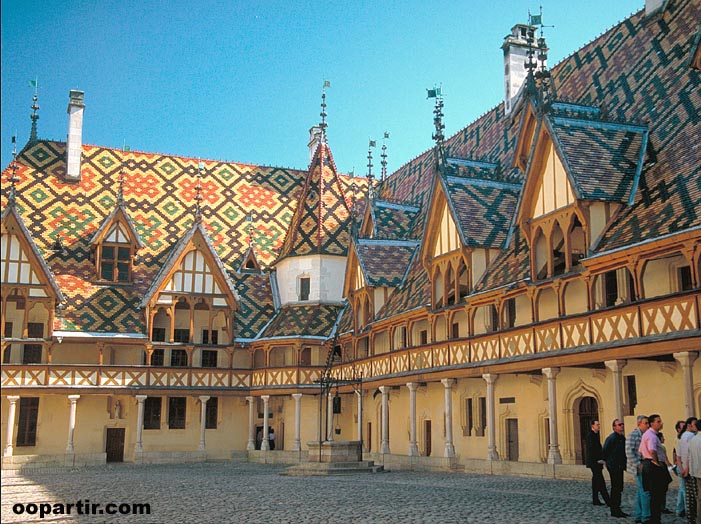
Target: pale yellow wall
x,y
547,304
575,297
524,312
554,191
74,353
327,274
448,238
381,342
480,257
379,296
660,276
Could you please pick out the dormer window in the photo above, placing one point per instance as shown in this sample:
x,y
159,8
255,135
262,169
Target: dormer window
x,y
115,263
114,246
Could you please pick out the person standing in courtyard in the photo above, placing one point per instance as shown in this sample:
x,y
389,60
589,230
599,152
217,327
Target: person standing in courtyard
x,y
690,454
595,464
635,468
271,439
690,428
654,470
614,456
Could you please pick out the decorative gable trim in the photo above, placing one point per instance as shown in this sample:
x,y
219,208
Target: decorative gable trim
x,y
118,216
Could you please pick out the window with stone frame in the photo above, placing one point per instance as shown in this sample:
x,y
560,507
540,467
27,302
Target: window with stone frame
x,y
176,412
209,358
211,413
27,423
178,358
152,413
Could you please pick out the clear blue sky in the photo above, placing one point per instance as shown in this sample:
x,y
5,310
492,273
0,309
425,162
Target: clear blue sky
x,y
241,80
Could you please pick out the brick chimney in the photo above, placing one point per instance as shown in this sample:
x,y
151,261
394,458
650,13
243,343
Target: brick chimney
x,y
74,141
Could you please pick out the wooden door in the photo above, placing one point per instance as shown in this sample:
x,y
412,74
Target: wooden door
x,y
115,444
427,438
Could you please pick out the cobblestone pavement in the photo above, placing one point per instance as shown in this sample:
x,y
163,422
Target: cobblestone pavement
x,y
255,493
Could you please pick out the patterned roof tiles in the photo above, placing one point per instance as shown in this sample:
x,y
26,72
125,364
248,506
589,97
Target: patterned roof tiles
x,y
314,320
384,262
393,220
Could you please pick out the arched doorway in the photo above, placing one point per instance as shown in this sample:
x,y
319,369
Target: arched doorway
x,y
586,411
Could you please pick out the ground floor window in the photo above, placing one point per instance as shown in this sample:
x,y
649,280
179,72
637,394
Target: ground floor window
x,y
211,413
176,412
27,426
152,413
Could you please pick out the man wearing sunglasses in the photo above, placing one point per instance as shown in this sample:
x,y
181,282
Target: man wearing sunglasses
x,y
614,456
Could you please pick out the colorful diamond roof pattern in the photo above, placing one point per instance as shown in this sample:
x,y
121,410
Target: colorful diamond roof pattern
x,y
321,223
393,220
255,299
314,320
384,262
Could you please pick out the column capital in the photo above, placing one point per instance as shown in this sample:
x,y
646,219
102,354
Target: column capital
x,y
551,373
615,365
73,398
12,398
685,358
448,382
384,389
413,386
296,396
140,398
491,378
250,399
265,397
204,398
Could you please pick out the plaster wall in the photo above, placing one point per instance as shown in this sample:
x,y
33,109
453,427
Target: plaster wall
x,y
326,274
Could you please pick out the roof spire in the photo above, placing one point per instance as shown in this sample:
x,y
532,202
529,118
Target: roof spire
x,y
384,157
35,108
13,173
371,176
249,219
198,191
323,114
438,136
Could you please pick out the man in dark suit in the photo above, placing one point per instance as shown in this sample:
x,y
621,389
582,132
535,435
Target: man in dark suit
x,y
614,456
596,464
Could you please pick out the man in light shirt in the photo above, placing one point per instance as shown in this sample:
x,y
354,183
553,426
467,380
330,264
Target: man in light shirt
x,y
654,471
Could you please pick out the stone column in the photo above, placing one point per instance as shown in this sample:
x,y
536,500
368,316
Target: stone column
x,y
297,444
360,416
616,367
71,422
413,447
139,447
449,447
686,359
265,442
384,446
9,450
329,418
554,456
203,422
492,454
251,444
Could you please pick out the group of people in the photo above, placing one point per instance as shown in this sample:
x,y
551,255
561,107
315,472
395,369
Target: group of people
x,y
644,455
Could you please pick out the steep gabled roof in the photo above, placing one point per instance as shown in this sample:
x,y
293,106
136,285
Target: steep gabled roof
x,y
196,232
12,222
313,320
255,299
119,214
321,223
392,219
384,262
603,159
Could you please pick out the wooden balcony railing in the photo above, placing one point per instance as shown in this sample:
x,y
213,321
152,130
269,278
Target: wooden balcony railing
x,y
639,320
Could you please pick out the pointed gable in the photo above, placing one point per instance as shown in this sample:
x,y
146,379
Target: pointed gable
x,y
193,267
117,228
20,260
321,219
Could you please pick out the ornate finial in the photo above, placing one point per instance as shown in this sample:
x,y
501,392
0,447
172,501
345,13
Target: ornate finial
x,y
371,176
323,114
540,51
57,246
13,173
438,136
35,108
120,185
249,219
384,157
198,190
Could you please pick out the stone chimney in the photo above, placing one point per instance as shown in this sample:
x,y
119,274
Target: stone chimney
x,y
314,139
74,142
654,6
515,48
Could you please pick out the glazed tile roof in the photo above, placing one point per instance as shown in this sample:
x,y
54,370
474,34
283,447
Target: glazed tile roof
x,y
315,320
384,262
321,223
603,159
483,208
255,299
413,293
512,265
159,195
393,219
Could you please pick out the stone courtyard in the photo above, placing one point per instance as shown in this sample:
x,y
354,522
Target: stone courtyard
x,y
206,493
